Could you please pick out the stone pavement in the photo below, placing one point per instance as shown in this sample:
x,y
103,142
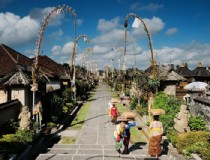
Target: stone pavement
x,y
95,140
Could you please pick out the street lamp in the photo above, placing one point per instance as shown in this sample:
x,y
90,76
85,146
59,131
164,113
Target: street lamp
x,y
35,67
86,39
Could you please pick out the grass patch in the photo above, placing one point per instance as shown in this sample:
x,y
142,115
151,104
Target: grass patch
x,y
81,115
135,135
68,140
121,108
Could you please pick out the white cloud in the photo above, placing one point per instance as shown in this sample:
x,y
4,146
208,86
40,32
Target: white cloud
x,y
57,34
191,53
39,14
56,50
109,38
154,25
65,50
15,30
104,25
171,31
100,49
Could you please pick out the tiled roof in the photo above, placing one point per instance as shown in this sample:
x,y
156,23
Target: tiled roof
x,y
9,58
52,66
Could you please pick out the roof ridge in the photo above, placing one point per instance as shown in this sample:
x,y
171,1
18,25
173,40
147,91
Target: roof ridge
x,y
9,54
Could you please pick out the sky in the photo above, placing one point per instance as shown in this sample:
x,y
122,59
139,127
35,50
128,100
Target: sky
x,y
180,31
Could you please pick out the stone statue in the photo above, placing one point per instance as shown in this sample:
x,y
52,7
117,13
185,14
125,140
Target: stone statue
x,y
181,120
24,117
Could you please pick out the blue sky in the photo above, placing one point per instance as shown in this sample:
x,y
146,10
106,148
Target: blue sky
x,y
180,30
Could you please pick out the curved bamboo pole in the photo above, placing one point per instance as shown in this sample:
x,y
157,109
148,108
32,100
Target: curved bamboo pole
x,y
149,38
74,53
35,66
154,74
57,10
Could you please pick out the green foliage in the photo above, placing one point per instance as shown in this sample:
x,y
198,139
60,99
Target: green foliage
x,y
67,94
10,144
196,123
153,83
56,100
141,110
172,135
65,109
24,136
127,91
16,143
194,142
117,87
9,127
51,124
171,105
134,102
68,140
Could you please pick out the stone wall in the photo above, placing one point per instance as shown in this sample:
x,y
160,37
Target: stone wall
x,y
9,110
170,90
201,106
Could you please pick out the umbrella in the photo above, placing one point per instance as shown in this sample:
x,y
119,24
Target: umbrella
x,y
196,86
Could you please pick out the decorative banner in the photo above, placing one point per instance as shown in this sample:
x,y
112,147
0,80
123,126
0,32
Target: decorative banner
x,y
34,87
85,39
136,23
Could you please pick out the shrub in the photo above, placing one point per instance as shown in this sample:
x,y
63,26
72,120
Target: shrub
x,y
142,110
10,144
24,136
172,135
171,105
133,102
9,127
51,124
194,142
196,123
153,83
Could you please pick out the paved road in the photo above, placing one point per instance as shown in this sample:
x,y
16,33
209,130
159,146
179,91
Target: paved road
x,y
95,140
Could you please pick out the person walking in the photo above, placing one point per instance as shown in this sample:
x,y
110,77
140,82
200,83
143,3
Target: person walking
x,y
110,107
118,136
114,113
127,135
156,132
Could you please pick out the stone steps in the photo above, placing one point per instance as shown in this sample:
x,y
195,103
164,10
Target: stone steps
x,y
93,152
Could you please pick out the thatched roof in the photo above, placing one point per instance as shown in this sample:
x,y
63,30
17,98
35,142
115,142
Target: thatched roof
x,y
184,71
167,73
201,71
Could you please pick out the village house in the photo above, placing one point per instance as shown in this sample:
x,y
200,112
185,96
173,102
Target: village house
x,y
16,78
